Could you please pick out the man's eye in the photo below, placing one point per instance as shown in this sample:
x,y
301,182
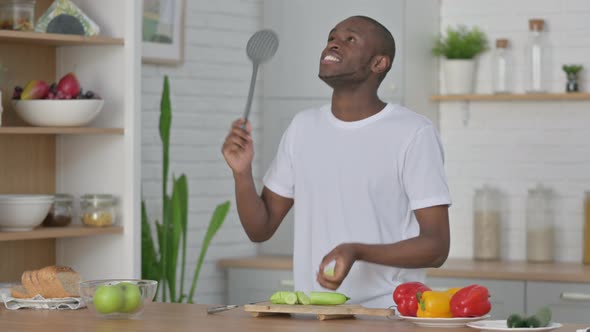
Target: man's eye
x,y
330,38
351,39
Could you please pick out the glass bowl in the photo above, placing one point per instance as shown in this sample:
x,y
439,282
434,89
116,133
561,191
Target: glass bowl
x,y
118,298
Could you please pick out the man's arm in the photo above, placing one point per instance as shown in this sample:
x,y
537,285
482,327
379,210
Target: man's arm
x,y
260,215
429,249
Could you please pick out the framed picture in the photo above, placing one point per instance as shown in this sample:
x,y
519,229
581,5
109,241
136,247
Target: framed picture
x,y
163,31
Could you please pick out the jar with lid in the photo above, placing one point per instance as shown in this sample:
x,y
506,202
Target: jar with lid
x,y
487,224
60,214
500,64
97,210
17,15
587,229
540,227
536,57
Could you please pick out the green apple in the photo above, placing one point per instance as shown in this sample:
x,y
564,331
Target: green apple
x,y
108,299
132,297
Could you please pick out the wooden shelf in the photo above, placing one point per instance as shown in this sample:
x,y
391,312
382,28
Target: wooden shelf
x,y
59,232
53,39
514,97
61,131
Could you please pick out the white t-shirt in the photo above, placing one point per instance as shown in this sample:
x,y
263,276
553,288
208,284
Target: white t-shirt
x,y
357,182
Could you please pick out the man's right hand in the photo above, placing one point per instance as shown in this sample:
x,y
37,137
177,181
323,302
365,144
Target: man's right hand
x,y
238,149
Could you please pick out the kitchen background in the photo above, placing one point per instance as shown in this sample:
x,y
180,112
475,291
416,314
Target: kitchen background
x,y
510,145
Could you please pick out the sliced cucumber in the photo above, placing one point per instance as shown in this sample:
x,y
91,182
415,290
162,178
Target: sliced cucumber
x,y
302,298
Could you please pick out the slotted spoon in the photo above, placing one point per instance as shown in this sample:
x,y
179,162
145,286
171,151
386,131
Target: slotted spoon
x,y
261,47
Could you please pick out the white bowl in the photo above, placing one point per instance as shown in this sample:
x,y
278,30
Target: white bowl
x,y
58,112
23,212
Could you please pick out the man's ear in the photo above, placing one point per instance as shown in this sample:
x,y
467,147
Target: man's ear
x,y
380,64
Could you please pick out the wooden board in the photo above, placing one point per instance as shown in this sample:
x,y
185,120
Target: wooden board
x,y
323,312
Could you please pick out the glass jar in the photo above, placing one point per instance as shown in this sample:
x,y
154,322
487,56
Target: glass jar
x,y
540,228
587,229
487,224
535,58
98,210
60,213
500,65
17,15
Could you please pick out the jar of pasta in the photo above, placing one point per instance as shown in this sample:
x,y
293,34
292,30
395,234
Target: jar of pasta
x,y
97,210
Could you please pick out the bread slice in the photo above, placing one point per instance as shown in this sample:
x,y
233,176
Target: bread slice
x,y
19,292
29,284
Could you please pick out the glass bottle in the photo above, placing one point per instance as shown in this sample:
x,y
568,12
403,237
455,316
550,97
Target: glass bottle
x,y
587,229
536,54
500,67
540,228
487,224
60,213
98,210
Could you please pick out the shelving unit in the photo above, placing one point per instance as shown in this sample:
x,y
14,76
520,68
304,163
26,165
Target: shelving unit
x,y
101,158
59,232
514,97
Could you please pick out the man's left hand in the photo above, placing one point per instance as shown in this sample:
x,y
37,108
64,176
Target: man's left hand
x,y
344,255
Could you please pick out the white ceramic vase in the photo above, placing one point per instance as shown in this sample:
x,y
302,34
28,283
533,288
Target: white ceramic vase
x,y
459,76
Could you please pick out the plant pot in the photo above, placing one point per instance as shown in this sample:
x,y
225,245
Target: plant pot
x,y
459,75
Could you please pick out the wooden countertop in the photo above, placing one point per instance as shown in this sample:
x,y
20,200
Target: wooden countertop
x,y
455,268
193,317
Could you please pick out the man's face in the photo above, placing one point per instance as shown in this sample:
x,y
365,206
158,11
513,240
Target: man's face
x,y
348,53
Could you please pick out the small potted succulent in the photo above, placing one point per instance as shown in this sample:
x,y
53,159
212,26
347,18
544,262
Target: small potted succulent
x,y
460,48
572,77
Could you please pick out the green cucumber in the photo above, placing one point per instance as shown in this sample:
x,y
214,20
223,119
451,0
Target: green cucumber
x,y
515,320
302,298
283,297
327,298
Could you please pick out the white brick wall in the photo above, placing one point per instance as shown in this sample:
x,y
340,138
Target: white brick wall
x,y
514,145
209,91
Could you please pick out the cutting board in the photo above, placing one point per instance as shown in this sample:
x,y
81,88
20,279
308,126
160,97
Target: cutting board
x,y
322,312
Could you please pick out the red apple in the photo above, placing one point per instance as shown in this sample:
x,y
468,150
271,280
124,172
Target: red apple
x,y
69,86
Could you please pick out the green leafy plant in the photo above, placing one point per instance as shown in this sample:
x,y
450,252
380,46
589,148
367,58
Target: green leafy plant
x,y
460,43
572,69
161,263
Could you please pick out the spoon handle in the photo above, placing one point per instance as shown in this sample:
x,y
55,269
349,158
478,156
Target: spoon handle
x,y
250,93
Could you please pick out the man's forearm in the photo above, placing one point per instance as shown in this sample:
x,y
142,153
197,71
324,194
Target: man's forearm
x,y
418,252
251,208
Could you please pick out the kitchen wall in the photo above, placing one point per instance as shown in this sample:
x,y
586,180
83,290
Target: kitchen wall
x,y
514,145
209,91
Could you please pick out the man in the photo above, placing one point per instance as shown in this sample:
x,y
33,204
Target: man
x,y
366,178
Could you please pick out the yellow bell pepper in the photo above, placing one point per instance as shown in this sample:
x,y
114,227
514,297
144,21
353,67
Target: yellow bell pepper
x,y
452,291
434,304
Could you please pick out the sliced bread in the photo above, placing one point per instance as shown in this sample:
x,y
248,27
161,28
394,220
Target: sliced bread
x,y
51,282
19,292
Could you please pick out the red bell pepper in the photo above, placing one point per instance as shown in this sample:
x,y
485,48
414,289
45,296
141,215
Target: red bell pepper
x,y
471,301
404,296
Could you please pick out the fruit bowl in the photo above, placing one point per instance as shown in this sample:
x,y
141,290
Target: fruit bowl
x,y
58,113
19,213
118,298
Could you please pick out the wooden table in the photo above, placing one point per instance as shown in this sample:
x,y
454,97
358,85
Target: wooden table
x,y
166,317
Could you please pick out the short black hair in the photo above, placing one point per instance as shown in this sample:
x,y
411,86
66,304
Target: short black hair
x,y
387,43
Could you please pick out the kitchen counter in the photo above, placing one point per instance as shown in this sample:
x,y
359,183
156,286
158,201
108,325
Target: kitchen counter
x,y
193,317
454,268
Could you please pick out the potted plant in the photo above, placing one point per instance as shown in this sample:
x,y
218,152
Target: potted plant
x,y
460,47
572,77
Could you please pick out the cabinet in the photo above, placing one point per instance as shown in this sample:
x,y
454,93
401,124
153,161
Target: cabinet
x,y
102,158
290,79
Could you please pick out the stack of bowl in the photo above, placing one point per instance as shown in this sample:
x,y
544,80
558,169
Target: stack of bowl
x,y
23,212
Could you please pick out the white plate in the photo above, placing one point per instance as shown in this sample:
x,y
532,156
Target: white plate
x,y
443,322
500,325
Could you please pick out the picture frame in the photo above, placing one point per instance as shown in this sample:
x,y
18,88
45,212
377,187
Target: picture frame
x,y
163,31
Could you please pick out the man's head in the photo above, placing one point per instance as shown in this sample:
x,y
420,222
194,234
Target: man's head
x,y
359,49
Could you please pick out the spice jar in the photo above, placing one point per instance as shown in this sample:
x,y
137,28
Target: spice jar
x,y
587,229
540,234
98,210
487,224
500,67
17,15
537,49
60,213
